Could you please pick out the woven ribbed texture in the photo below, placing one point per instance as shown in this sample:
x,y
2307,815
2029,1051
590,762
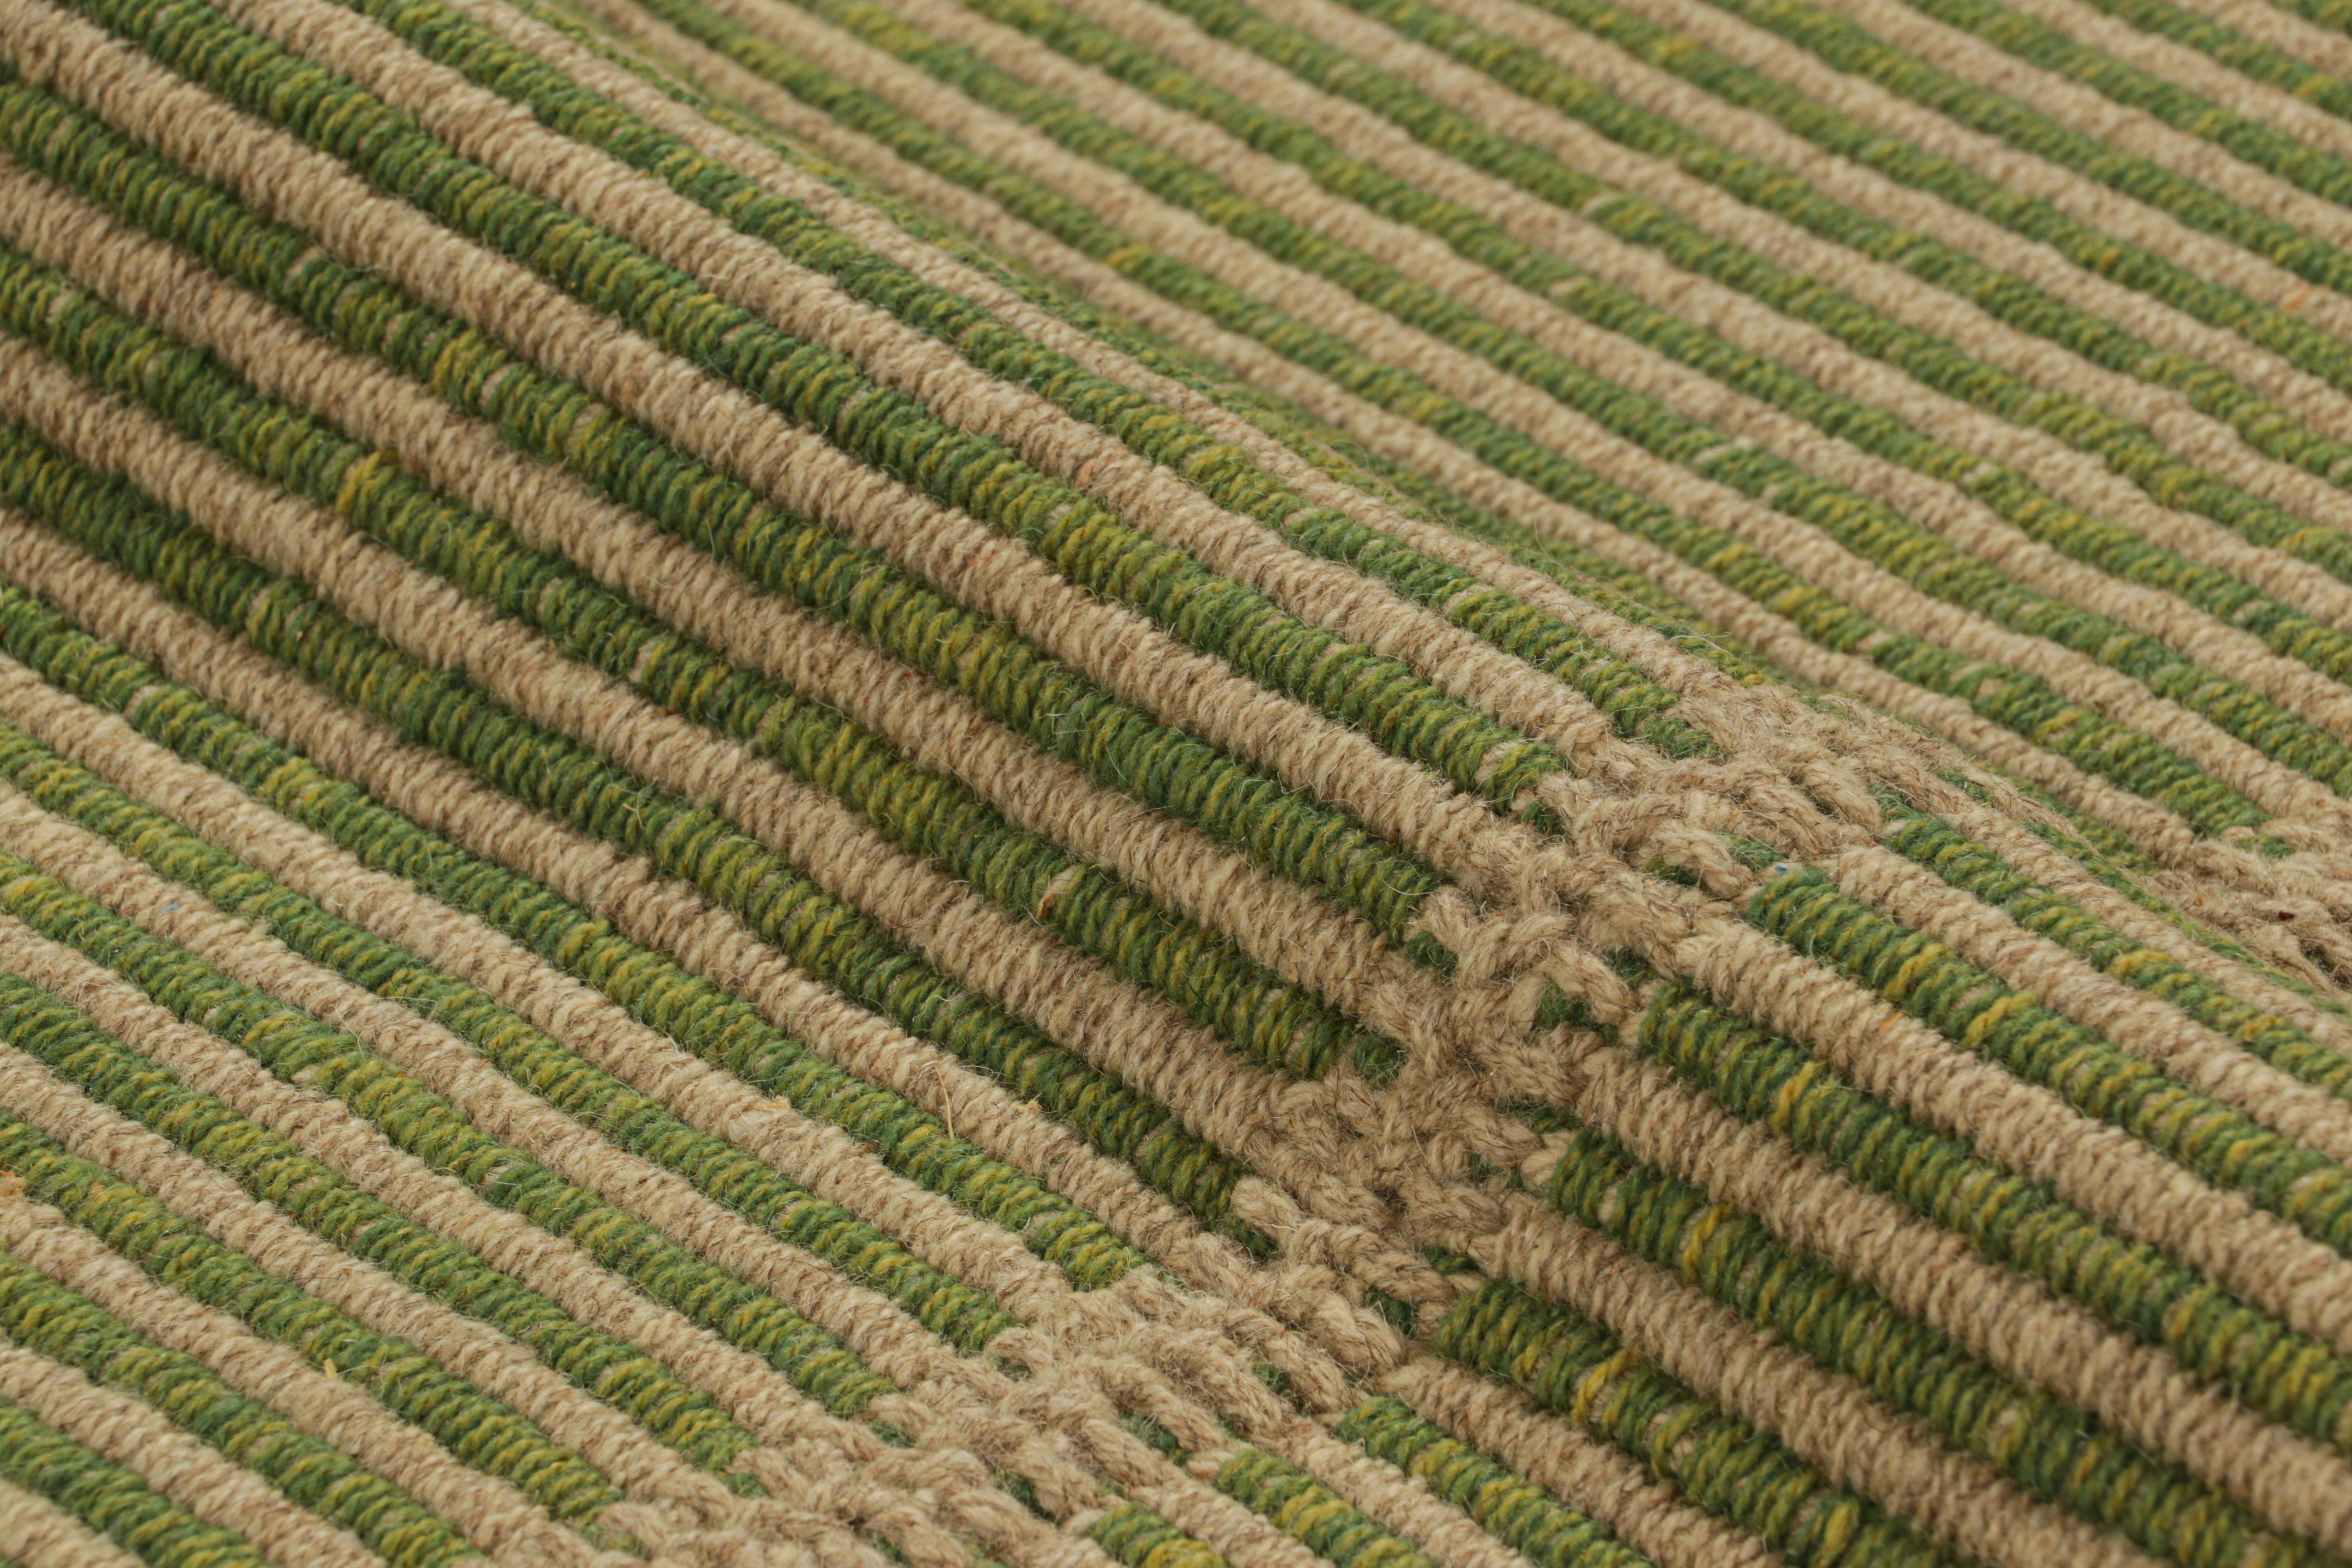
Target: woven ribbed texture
x,y
1176,784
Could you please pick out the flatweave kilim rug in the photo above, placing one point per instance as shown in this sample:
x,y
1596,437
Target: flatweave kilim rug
x,y
1176,784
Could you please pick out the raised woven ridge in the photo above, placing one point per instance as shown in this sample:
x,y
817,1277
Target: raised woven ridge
x,y
1196,783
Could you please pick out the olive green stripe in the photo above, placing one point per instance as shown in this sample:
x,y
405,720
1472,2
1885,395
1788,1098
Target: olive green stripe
x,y
1620,590
2249,58
1878,532
695,843
1772,187
60,1323
112,1500
2020,702
825,392
1572,1366
2310,168
2009,1028
1524,1516
558,421
965,1316
1217,468
1849,47
1977,871
2049,1447
2011,1219
927,813
273,1168
476,1428
723,1031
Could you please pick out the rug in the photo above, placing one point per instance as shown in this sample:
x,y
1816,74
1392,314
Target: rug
x,y
1176,784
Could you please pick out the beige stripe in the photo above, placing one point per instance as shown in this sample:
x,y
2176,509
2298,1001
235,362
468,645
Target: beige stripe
x,y
2074,477
1493,564
492,1102
2037,859
2205,255
374,55
1645,649
1659,91
1116,1025
1927,1271
1884,287
2154,829
1825,1418
2194,72
755,276
325,1131
1395,437
2314,885
138,1437
2085,109
713,1100
37,1533
1236,1106
833,1162
2319,48
823,1157
1807,550
2098,1168
955,1393
994,574
491,1513
283,702
1198,1524
1941,507
1580,1469
2188,1051
440,796
1288,927
1404,1502
429,1055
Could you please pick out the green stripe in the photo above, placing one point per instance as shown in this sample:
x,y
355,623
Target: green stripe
x,y
695,843
1217,468
272,1168
1877,531
723,1031
1850,49
1573,1367
2311,168
983,660
474,1427
2052,1449
2021,702
1975,869
964,1316
1766,186
112,1500
1525,1517
2009,1028
928,814
823,391
42,1315
2011,1219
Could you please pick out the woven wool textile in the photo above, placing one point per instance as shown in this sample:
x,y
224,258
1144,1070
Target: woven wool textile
x,y
1176,784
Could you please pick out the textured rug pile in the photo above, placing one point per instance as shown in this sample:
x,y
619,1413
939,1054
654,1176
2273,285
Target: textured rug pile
x,y
1176,784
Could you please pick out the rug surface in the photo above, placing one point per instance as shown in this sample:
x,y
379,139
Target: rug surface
x,y
1176,784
